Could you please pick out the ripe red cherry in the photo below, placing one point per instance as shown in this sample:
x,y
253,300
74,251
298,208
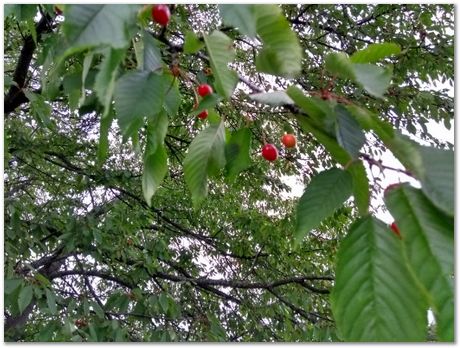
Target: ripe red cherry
x,y
204,89
269,152
288,140
395,229
203,114
161,14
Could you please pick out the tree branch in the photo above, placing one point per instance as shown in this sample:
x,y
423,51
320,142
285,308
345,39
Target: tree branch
x,y
15,96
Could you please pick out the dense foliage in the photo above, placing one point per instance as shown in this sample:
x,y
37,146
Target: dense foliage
x,y
130,218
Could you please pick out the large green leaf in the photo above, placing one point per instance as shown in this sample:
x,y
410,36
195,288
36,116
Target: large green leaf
x,y
428,236
95,25
330,143
375,52
205,156
192,43
321,113
151,58
87,63
173,96
325,193
25,297
281,53
155,157
155,170
138,94
103,146
237,152
240,16
10,285
348,132
375,297
104,84
51,301
39,108
22,12
361,189
221,52
374,79
338,63
438,178
207,103
433,167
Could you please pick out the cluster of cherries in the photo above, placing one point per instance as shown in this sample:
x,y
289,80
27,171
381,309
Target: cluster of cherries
x,y
204,90
161,15
269,151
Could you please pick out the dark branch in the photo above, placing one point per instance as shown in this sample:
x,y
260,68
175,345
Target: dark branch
x,y
15,96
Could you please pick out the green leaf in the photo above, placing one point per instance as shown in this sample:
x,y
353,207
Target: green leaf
x,y
433,167
330,143
221,52
43,281
72,87
361,189
281,53
207,103
374,79
237,152
157,128
11,284
428,236
375,298
104,84
39,108
325,193
192,43
87,62
152,54
103,146
138,94
320,113
338,63
173,97
277,98
155,170
22,12
164,302
371,121
438,178
92,25
375,52
240,16
426,18
348,132
25,297
51,301
205,156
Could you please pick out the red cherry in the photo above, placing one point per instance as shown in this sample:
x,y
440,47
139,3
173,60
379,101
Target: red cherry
x,y
395,229
161,14
269,152
288,140
204,89
203,114
390,187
